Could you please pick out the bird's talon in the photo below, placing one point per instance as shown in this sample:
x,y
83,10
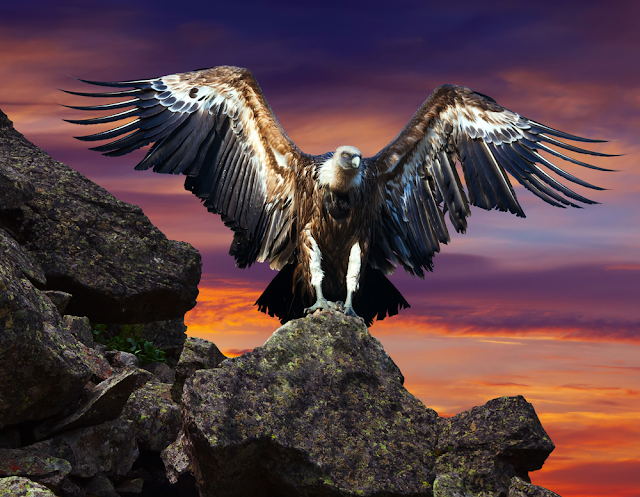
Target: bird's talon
x,y
322,304
351,313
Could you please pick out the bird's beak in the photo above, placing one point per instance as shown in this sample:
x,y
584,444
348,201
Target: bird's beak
x,y
355,162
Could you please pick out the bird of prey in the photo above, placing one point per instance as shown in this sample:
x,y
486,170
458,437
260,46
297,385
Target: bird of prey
x,y
334,225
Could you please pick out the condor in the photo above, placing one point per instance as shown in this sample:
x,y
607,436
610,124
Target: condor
x,y
334,225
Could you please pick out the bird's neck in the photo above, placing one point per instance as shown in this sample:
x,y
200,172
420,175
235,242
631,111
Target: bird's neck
x,y
336,178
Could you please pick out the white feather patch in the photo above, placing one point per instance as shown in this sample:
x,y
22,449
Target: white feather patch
x,y
353,270
315,264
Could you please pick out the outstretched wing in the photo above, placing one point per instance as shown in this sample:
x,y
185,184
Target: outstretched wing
x,y
416,172
215,126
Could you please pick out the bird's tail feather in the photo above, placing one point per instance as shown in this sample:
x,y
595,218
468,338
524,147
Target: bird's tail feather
x,y
378,297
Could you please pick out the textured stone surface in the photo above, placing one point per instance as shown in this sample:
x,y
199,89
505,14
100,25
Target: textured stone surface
x,y
43,367
318,410
156,416
44,469
488,445
100,486
16,486
176,458
104,252
59,299
80,327
105,402
11,250
108,448
521,488
120,359
196,354
161,371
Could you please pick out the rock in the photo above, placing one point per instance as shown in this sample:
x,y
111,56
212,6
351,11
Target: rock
x,y
196,354
49,471
130,486
449,485
71,489
104,402
15,189
168,335
521,488
16,486
106,253
98,363
43,368
11,250
80,327
59,299
488,445
318,410
161,371
156,417
108,448
176,458
100,486
120,359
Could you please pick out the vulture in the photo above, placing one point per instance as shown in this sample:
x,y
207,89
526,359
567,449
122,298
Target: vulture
x,y
333,225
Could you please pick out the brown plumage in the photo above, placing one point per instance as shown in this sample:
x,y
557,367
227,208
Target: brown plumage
x,y
335,224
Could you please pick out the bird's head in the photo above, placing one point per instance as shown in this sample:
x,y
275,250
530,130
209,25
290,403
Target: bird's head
x,y
348,158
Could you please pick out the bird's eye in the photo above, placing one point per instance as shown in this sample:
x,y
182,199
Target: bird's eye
x,y
345,155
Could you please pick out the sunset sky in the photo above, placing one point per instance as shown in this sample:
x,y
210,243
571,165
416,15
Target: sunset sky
x,y
547,307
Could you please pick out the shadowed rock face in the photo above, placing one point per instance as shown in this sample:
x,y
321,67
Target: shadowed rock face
x,y
118,267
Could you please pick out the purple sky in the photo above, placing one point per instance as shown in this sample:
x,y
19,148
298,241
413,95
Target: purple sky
x,y
561,286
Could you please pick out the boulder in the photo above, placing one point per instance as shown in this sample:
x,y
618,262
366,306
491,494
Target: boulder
x,y
17,486
80,327
156,416
117,266
161,371
176,459
100,486
59,299
103,403
49,471
108,448
120,359
196,354
486,446
318,410
521,488
43,368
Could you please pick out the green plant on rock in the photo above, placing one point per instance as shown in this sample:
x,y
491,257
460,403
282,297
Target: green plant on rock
x,y
129,340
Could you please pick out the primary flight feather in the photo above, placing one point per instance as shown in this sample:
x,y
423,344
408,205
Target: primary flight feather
x,y
334,224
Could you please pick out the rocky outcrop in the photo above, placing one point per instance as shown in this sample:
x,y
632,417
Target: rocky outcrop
x,y
117,266
196,354
109,448
102,403
43,367
486,446
319,410
521,488
16,486
157,418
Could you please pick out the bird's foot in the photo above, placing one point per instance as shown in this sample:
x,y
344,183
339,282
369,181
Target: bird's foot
x,y
348,311
322,304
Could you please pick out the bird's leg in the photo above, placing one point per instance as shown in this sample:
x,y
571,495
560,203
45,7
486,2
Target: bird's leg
x,y
317,275
353,277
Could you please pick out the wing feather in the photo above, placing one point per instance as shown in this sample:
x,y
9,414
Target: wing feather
x,y
491,143
215,126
